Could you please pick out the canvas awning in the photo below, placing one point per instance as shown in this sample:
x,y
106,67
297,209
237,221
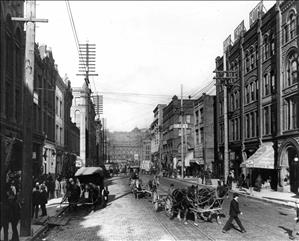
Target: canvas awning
x,y
262,158
188,158
84,171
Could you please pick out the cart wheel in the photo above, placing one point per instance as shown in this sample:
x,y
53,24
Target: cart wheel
x,y
168,207
156,206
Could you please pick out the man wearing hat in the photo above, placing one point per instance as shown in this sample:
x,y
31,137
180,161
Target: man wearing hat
x,y
234,211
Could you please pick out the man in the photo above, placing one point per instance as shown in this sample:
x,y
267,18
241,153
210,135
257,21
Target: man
x,y
234,211
296,220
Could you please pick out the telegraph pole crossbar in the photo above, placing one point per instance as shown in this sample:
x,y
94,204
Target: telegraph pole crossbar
x,y
26,190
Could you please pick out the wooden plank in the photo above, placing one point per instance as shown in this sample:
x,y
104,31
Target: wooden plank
x,y
58,221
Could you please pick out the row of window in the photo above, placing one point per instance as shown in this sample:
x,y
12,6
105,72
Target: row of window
x,y
199,116
289,30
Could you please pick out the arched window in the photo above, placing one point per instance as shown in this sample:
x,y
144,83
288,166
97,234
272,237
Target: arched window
x,y
292,22
266,48
247,64
77,118
291,69
252,58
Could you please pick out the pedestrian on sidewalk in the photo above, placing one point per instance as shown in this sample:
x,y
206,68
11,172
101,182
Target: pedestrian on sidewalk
x,y
234,211
57,188
229,181
35,200
296,220
63,187
43,200
13,214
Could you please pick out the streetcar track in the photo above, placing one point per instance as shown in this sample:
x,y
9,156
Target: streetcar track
x,y
197,228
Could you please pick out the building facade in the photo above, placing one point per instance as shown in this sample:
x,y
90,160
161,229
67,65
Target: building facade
x,y
156,136
12,48
171,128
263,98
83,114
127,147
71,135
205,135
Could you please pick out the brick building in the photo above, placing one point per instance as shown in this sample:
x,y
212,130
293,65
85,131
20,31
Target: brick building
x,y
263,99
171,128
204,135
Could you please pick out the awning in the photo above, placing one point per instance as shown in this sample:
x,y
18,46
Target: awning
x,y
84,171
188,158
198,161
262,158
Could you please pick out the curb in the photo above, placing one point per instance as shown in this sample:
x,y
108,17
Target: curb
x,y
45,227
240,193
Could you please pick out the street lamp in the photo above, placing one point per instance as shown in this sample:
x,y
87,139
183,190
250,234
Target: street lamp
x,y
296,159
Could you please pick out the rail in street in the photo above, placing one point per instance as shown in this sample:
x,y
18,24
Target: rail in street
x,y
127,218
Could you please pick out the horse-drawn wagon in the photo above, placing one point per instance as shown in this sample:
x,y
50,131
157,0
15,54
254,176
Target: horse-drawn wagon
x,y
203,202
88,191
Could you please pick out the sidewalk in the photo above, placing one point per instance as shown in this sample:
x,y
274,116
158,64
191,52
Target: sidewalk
x,y
38,226
286,199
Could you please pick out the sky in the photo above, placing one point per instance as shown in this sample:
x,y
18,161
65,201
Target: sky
x,y
145,50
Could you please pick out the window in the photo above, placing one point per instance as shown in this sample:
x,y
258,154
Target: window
x,y
286,33
248,94
188,119
252,116
266,48
273,83
247,66
266,85
201,136
290,112
196,117
60,109
272,45
292,69
197,136
236,99
221,131
232,99
266,120
252,58
292,26
56,104
247,126
252,87
201,113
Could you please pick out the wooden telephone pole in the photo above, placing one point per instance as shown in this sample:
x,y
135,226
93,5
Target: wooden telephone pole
x,y
28,113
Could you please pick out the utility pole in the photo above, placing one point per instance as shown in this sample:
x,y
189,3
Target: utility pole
x,y
225,78
182,134
26,190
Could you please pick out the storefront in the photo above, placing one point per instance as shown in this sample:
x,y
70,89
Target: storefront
x,y
288,165
261,163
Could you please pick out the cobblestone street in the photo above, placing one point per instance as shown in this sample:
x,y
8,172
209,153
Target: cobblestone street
x,y
126,218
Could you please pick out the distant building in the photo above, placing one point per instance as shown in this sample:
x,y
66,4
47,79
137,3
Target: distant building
x,y
83,114
156,135
204,134
128,146
171,152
